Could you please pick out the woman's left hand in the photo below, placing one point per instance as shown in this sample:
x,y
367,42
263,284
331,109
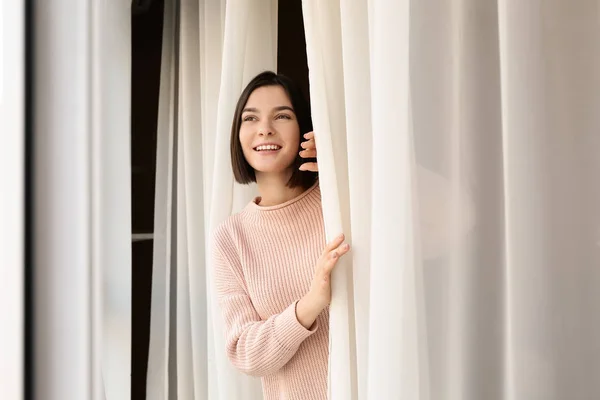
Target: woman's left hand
x,y
310,151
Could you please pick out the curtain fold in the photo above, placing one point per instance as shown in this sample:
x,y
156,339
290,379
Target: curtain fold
x,y
211,49
354,18
79,192
459,150
113,205
392,303
482,223
549,58
327,105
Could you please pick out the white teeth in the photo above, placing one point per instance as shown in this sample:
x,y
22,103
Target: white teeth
x,y
268,147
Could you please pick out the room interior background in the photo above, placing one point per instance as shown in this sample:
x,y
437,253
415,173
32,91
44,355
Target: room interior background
x,y
458,148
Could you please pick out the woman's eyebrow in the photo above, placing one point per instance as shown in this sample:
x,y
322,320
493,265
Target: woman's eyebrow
x,y
281,108
278,108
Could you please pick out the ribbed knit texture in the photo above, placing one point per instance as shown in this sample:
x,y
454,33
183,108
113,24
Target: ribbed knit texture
x,y
264,260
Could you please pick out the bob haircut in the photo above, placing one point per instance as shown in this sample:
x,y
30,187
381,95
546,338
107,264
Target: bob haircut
x,y
242,170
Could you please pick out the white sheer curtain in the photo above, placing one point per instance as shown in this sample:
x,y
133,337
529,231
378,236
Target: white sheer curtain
x,y
478,121
81,208
113,204
211,49
459,149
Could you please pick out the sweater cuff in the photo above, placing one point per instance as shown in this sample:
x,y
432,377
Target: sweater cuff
x,y
290,332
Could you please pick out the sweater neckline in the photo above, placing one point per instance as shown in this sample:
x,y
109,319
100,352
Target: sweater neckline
x,y
254,206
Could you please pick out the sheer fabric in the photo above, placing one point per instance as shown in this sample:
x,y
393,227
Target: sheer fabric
x,y
211,49
78,229
113,216
458,150
471,123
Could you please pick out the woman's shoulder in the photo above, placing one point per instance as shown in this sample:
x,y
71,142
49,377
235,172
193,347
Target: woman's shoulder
x,y
229,232
225,252
222,244
223,233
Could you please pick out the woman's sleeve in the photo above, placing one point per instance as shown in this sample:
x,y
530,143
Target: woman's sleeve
x,y
254,346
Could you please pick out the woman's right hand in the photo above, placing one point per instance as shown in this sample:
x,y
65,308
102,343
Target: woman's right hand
x,y
319,296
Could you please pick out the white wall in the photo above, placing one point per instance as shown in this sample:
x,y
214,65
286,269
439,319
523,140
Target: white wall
x,y
11,198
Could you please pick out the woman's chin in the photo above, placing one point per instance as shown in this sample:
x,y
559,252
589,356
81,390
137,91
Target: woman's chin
x,y
271,169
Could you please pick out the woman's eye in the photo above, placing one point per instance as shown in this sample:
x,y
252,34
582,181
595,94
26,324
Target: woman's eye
x,y
283,116
249,118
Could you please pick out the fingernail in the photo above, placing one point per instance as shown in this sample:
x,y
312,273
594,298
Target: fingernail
x,y
346,246
341,236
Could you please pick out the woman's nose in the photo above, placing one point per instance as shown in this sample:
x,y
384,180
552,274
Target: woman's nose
x,y
265,131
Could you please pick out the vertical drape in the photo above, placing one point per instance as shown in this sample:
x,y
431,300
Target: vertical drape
x,y
211,49
475,250
113,207
325,62
158,353
81,208
327,35
62,170
550,82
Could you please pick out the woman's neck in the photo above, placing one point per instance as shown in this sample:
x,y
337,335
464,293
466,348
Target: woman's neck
x,y
273,189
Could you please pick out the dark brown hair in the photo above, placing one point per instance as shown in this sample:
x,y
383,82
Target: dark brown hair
x,y
242,170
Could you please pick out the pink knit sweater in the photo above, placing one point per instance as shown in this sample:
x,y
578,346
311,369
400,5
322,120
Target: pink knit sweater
x,y
264,259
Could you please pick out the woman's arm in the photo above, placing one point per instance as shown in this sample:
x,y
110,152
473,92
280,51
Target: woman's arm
x,y
259,347
307,311
254,346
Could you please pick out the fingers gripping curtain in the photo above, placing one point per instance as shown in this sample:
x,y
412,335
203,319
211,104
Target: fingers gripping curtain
x,y
458,148
211,49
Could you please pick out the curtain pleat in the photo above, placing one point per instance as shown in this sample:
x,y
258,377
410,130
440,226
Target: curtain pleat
x,y
192,340
323,38
357,95
211,49
549,58
114,212
393,322
157,380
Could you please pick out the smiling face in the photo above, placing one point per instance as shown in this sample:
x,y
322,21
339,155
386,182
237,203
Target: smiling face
x,y
271,111
269,131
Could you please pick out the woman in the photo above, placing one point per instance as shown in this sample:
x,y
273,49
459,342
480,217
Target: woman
x,y
272,267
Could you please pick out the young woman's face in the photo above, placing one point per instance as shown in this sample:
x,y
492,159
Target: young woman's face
x,y
269,132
